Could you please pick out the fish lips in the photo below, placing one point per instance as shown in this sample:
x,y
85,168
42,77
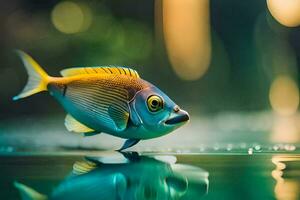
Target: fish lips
x,y
178,117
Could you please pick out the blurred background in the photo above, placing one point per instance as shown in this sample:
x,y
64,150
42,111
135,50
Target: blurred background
x,y
233,65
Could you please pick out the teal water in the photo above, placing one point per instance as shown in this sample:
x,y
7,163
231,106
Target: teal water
x,y
111,175
224,157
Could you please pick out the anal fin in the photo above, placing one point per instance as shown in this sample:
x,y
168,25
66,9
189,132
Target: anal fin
x,y
75,126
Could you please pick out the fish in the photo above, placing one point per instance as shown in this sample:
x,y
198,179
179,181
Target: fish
x,y
106,99
113,175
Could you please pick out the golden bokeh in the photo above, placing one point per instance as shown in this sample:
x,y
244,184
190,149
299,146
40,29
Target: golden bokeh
x,y
186,28
286,12
284,96
285,129
70,17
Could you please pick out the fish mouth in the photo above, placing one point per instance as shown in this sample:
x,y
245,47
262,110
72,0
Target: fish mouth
x,y
180,116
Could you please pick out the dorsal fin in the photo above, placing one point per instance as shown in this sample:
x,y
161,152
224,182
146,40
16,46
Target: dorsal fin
x,y
99,70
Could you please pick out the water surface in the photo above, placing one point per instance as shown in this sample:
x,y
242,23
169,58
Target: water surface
x,y
152,175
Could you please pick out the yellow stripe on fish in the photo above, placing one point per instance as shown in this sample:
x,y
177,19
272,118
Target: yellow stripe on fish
x,y
99,70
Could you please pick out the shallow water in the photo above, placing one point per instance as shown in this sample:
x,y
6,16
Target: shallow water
x,y
210,158
152,175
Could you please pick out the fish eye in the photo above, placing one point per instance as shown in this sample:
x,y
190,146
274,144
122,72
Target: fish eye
x,y
155,103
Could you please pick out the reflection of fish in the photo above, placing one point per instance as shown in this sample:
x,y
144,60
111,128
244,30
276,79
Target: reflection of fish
x,y
109,99
133,177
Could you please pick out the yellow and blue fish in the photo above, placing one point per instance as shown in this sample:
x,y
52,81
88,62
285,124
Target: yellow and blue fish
x,y
109,99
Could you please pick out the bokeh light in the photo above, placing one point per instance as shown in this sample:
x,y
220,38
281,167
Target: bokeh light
x,y
275,53
186,27
285,129
286,12
284,95
69,17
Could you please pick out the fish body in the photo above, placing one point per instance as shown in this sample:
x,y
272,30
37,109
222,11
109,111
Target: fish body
x,y
109,99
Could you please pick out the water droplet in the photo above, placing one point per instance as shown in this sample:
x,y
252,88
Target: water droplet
x,y
292,148
250,151
275,147
289,147
229,147
257,147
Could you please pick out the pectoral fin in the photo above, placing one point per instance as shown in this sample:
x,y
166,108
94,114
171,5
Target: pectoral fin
x,y
129,143
82,167
119,116
75,126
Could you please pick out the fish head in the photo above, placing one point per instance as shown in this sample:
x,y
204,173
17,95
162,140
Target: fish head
x,y
158,114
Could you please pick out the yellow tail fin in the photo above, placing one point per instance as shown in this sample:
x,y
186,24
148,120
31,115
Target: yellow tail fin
x,y
37,77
